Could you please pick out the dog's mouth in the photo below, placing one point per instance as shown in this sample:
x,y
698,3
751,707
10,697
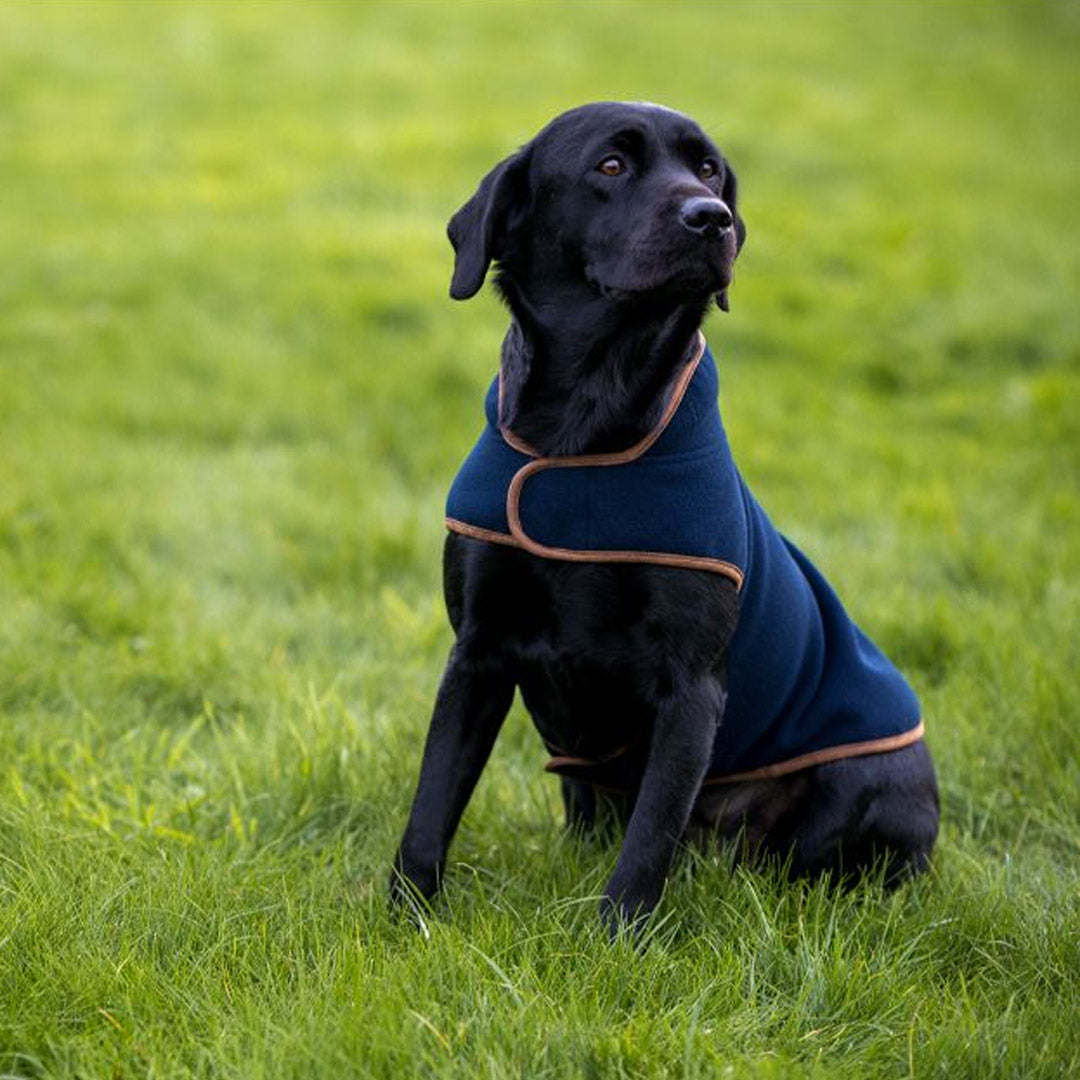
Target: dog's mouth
x,y
687,279
659,266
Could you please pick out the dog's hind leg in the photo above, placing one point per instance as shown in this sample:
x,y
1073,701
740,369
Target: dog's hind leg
x,y
846,818
597,812
579,802
865,814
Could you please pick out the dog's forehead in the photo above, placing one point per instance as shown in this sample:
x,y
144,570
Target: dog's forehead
x,y
579,128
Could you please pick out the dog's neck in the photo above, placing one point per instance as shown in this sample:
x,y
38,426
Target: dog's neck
x,y
594,383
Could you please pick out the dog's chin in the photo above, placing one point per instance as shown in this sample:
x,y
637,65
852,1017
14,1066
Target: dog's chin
x,y
690,283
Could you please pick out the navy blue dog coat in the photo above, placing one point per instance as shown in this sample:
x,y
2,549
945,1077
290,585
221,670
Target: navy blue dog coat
x,y
805,684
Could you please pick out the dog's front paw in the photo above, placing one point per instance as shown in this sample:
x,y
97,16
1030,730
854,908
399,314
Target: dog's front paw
x,y
411,890
625,909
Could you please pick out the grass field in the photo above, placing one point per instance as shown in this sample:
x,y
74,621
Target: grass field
x,y
232,395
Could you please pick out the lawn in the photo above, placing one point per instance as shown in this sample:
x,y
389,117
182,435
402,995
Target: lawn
x,y
232,395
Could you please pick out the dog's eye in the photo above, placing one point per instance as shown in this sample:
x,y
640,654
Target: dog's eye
x,y
612,166
708,169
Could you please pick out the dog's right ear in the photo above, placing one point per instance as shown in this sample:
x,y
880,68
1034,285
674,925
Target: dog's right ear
x,y
478,228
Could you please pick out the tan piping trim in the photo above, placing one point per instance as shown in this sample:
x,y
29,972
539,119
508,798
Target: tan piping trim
x,y
692,562
820,757
622,457
653,558
559,759
781,768
556,763
477,533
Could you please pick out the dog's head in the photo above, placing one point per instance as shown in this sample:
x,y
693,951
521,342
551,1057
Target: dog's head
x,y
631,201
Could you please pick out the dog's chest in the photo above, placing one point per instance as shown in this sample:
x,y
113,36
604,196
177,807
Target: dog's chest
x,y
593,648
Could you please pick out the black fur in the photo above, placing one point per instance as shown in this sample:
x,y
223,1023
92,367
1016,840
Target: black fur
x,y
608,270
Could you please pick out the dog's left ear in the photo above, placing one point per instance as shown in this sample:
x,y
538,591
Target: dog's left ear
x,y
478,228
730,193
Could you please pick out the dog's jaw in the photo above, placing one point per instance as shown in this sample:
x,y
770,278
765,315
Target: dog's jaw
x,y
689,283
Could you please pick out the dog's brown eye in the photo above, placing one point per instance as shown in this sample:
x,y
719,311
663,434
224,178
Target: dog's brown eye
x,y
612,166
708,170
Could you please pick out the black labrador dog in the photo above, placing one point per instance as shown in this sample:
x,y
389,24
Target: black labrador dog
x,y
613,230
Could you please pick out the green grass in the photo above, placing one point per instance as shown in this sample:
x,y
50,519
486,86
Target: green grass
x,y
232,395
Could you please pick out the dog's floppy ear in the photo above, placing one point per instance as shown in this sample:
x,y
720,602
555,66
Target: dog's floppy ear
x,y
477,229
730,193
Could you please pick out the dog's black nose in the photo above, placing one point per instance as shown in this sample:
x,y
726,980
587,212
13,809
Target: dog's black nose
x,y
705,215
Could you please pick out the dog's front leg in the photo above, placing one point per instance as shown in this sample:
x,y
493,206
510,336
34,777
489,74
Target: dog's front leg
x,y
679,754
473,700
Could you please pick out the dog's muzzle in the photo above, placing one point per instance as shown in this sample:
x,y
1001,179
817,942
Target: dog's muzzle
x,y
710,217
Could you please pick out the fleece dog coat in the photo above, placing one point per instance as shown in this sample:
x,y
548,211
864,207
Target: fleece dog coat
x,y
805,684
